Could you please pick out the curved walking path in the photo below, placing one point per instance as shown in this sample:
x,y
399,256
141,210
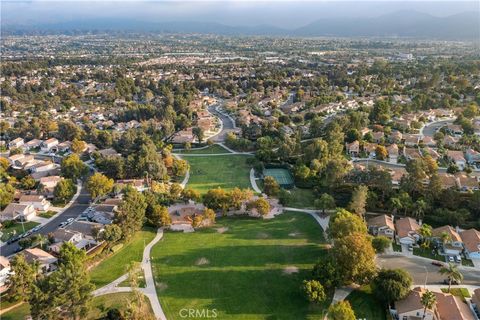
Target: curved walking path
x,y
149,291
253,182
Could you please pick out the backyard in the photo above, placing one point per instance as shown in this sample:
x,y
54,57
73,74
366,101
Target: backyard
x,y
226,172
244,268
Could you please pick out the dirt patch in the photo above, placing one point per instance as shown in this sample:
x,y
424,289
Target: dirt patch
x,y
262,235
222,229
202,261
161,286
290,270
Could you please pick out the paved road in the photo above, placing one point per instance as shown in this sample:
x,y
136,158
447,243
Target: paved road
x,y
416,267
430,129
227,122
74,211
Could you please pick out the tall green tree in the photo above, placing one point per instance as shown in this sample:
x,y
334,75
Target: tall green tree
x,y
359,200
325,202
341,310
73,168
21,279
99,185
452,273
64,190
391,285
131,213
344,223
428,300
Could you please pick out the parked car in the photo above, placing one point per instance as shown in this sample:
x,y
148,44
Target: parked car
x,y
70,220
437,263
63,224
450,259
410,247
458,259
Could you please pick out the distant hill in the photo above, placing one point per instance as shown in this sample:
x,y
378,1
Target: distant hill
x,y
398,24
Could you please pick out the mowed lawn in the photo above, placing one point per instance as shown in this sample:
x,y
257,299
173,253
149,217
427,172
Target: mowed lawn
x,y
226,172
366,305
209,150
116,265
243,268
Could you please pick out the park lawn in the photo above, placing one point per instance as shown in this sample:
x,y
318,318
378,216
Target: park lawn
x,y
302,198
116,265
226,172
99,306
366,305
7,233
215,148
241,268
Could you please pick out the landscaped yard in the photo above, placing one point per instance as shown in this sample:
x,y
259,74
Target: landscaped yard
x,y
244,268
427,253
366,305
17,229
226,172
215,148
116,265
99,307
47,214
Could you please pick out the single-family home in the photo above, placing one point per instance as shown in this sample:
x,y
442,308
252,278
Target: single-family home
x,y
62,235
396,136
471,243
451,142
407,231
392,153
45,260
457,158
138,184
16,143
378,137
411,140
32,144
467,183
428,141
109,152
37,201
4,271
449,238
89,230
64,146
49,144
382,226
16,211
49,183
454,129
472,156
370,149
353,148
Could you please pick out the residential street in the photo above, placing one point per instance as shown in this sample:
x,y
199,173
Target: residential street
x,y
228,124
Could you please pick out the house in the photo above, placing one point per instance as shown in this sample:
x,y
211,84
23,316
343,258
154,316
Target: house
x,y
448,180
64,146
392,153
37,201
353,149
447,307
411,153
471,243
472,156
138,184
45,260
453,244
32,144
109,152
378,137
457,158
467,183
49,144
63,235
454,129
428,141
382,226
16,143
476,298
15,211
4,271
411,140
451,142
89,230
406,231
396,137
19,161
370,149
49,183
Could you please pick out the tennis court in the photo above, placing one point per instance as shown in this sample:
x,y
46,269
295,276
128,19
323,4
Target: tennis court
x,y
282,176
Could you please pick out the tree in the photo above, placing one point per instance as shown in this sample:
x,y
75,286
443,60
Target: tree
x,y
99,185
359,200
131,213
68,130
159,216
73,168
419,208
6,194
64,190
341,310
66,292
381,152
198,132
391,285
262,206
21,278
314,291
238,196
112,233
190,194
380,243
344,223
325,202
355,247
428,300
28,183
271,186
210,215
175,191
452,273
426,232
180,167
216,199
326,272
78,146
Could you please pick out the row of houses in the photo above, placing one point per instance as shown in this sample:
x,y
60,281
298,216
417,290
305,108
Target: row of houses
x,y
26,208
406,231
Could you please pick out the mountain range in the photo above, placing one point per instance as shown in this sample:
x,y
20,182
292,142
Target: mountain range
x,y
412,24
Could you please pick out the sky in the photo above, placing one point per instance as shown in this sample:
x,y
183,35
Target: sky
x,y
280,13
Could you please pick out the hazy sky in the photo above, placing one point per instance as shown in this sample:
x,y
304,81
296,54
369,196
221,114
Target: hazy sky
x,y
287,14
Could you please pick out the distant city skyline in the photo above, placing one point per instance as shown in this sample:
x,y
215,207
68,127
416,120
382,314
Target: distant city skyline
x,y
284,14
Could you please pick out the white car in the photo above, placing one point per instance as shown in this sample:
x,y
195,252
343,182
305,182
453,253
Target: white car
x,y
70,220
459,259
450,259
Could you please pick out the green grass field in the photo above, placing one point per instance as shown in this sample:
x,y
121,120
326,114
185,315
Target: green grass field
x,y
244,268
17,229
116,265
226,172
366,305
302,198
211,149
99,307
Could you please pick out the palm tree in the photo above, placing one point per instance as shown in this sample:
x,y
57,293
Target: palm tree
x,y
452,273
419,208
396,204
445,236
426,232
428,301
